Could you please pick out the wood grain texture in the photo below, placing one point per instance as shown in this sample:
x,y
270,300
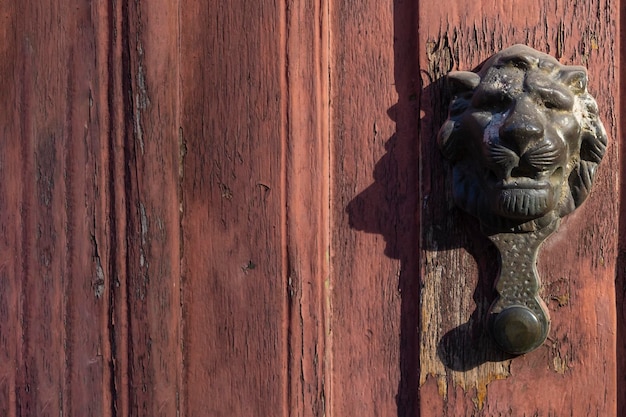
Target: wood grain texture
x,y
307,187
55,352
620,276
86,224
255,184
374,280
151,171
238,209
233,139
461,372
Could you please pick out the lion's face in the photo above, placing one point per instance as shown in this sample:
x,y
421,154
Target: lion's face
x,y
524,139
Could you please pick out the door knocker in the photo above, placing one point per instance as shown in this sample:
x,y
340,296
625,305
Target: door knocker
x,y
524,140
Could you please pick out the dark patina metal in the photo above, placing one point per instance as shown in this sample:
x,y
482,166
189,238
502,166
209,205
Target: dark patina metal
x,y
524,140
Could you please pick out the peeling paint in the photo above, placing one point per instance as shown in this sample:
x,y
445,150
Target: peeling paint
x,y
440,58
481,387
144,223
226,191
142,101
562,299
473,370
561,357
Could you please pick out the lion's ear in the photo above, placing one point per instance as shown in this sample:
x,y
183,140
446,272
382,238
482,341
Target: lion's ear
x,y
574,77
462,81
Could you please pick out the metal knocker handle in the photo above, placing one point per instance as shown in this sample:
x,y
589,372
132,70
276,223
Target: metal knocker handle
x,y
524,139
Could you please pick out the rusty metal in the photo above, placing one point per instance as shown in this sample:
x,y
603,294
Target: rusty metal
x,y
524,139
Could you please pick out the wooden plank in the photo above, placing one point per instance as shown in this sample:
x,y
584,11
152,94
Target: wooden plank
x,y
152,157
620,276
574,371
374,281
154,149
10,157
53,304
116,255
306,198
233,151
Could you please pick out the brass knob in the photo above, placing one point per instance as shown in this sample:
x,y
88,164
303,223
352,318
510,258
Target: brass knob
x,y
517,330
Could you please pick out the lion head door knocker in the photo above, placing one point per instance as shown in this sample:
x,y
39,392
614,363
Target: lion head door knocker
x,y
524,139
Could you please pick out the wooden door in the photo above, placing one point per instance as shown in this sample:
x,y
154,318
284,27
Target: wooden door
x,y
239,209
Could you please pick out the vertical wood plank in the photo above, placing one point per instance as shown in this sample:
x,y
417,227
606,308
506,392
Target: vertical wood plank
x,y
116,205
152,157
233,121
620,281
574,371
53,303
374,281
306,199
11,265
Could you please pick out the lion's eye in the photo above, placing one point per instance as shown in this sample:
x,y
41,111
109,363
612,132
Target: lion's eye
x,y
554,99
550,105
492,101
556,105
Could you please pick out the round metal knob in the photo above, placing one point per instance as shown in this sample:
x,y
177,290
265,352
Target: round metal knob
x,y
517,330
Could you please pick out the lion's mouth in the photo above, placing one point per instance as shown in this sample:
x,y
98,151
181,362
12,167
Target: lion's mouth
x,y
521,183
523,198
543,180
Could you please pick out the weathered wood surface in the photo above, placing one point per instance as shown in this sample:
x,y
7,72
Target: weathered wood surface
x,y
55,264
459,371
229,209
136,159
232,130
151,315
90,260
374,247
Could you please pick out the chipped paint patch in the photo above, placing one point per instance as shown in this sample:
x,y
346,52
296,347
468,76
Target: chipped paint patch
x,y
481,387
142,101
562,299
479,371
561,357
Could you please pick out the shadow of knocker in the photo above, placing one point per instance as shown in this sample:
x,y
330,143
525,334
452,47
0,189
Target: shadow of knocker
x,y
390,207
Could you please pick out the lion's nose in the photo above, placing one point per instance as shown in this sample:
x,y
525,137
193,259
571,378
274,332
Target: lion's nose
x,y
521,128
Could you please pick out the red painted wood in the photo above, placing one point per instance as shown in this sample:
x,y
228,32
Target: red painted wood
x,y
233,179
307,182
152,191
374,247
54,351
237,209
620,281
